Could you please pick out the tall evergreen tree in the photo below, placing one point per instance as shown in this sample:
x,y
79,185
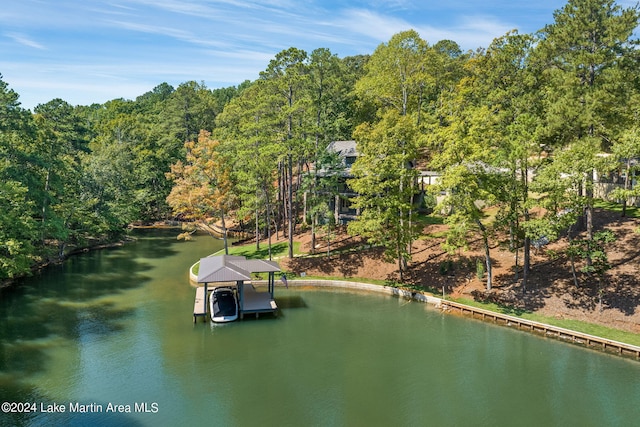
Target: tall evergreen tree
x,y
62,138
583,56
384,177
506,82
287,77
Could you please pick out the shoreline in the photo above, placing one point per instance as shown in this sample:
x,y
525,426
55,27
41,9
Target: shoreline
x,y
123,240
447,306
39,266
587,341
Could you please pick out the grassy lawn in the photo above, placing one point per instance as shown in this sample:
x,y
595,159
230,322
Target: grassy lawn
x,y
574,325
292,276
431,219
278,250
632,211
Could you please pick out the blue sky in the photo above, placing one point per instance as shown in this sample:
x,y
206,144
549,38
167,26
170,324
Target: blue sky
x,y
86,51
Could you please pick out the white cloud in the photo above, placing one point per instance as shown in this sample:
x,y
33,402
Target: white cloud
x,y
178,34
24,40
371,24
469,32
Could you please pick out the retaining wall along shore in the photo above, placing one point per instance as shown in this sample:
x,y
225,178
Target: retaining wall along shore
x,y
575,337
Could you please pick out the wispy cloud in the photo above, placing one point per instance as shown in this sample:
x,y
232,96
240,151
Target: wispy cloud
x,y
24,40
88,50
468,31
371,24
178,34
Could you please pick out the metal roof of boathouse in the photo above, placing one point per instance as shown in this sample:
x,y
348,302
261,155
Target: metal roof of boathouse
x,y
232,268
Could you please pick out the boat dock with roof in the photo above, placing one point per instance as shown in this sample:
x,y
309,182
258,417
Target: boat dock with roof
x,y
229,270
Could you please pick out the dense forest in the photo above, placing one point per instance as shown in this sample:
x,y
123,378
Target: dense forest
x,y
520,125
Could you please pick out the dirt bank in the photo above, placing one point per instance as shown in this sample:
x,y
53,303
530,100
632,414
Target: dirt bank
x,y
550,292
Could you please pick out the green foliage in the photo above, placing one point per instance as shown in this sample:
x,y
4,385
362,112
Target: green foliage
x,y
17,230
397,82
445,267
517,128
593,250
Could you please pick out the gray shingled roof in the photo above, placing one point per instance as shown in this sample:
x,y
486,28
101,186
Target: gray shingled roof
x,y
344,148
229,268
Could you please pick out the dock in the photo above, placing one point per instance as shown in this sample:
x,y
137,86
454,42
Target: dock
x,y
235,272
256,302
200,305
253,302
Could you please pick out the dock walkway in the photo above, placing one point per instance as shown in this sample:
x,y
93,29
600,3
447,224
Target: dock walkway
x,y
200,304
256,302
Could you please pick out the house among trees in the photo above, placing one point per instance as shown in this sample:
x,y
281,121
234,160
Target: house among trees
x,y
340,205
619,183
346,155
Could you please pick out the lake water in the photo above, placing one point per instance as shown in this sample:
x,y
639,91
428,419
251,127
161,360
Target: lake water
x,y
111,333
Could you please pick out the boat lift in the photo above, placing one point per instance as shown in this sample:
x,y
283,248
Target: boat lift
x,y
231,269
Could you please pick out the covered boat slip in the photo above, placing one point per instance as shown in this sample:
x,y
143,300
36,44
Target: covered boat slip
x,y
224,270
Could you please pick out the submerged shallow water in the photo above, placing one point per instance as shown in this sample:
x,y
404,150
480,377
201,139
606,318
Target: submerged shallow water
x,y
110,333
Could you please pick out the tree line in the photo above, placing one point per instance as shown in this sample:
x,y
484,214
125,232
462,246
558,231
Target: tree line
x,y
519,125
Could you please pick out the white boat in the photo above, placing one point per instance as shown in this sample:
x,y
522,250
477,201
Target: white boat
x,y
223,305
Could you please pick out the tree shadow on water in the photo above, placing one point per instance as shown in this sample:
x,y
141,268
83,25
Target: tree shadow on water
x,y
63,303
28,333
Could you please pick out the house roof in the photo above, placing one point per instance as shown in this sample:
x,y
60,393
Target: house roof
x,y
344,148
229,268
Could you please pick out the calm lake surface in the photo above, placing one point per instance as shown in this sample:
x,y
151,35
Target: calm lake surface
x,y
114,327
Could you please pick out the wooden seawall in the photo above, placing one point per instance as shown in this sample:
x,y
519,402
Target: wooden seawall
x,y
580,338
544,329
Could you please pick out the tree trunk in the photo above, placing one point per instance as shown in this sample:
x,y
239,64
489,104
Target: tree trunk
x,y
526,262
224,233
626,187
328,238
527,240
257,226
44,207
572,259
290,206
314,221
304,208
268,223
589,211
487,254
